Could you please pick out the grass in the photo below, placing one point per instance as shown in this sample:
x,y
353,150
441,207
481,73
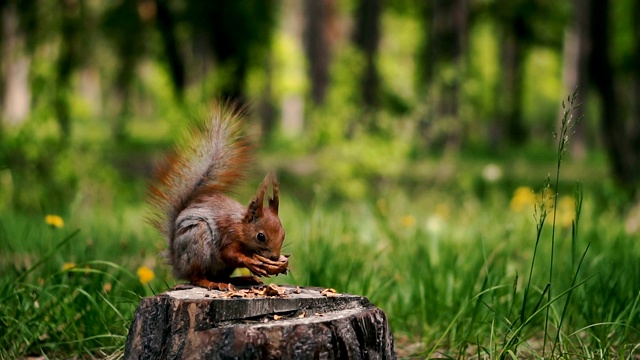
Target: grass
x,y
457,276
465,266
452,276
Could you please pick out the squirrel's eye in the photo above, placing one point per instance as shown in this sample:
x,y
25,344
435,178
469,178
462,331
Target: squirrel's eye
x,y
261,237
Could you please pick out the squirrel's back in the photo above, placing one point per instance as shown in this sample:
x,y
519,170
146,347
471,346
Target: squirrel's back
x,y
212,158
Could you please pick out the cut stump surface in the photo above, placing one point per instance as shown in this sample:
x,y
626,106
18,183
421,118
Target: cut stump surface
x,y
267,322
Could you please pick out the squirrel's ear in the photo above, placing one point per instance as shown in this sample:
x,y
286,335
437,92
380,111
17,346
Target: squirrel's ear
x,y
274,202
254,211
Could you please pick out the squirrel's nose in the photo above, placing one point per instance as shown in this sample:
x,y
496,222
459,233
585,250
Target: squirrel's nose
x,y
274,257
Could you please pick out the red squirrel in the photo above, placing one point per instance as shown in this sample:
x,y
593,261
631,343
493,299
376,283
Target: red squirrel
x,y
209,235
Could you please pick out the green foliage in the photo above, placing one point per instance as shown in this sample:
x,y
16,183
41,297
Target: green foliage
x,y
452,274
445,245
443,248
447,268
58,308
46,173
34,153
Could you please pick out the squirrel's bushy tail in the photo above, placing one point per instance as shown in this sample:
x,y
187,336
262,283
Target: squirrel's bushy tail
x,y
212,158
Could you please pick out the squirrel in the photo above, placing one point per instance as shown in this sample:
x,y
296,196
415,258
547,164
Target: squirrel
x,y
209,234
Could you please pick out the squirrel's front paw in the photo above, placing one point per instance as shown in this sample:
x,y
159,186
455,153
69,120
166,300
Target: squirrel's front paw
x,y
272,267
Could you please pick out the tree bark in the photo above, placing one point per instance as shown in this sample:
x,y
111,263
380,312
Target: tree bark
x,y
510,98
576,53
318,42
14,69
621,137
283,322
367,37
446,28
166,24
634,127
67,62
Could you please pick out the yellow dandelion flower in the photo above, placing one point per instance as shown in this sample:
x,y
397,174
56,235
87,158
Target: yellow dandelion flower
x,y
408,221
54,221
145,274
107,287
68,266
566,210
523,199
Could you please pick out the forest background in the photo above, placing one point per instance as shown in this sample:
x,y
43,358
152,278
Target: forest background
x,y
400,129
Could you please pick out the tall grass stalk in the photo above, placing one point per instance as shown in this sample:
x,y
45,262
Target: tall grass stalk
x,y
566,127
541,212
512,344
574,237
455,319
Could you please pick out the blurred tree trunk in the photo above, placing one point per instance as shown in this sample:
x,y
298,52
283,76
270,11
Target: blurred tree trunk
x,y
238,34
367,38
621,137
14,65
522,24
319,34
122,97
515,35
72,13
267,108
292,103
124,24
443,63
510,96
576,51
635,117
633,131
166,23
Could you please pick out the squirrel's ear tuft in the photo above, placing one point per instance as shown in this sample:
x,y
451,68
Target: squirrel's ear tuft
x,y
274,202
254,211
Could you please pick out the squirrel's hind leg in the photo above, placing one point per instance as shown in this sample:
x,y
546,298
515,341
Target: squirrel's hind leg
x,y
210,285
229,284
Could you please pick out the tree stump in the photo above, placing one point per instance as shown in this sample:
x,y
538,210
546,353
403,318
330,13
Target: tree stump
x,y
266,322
